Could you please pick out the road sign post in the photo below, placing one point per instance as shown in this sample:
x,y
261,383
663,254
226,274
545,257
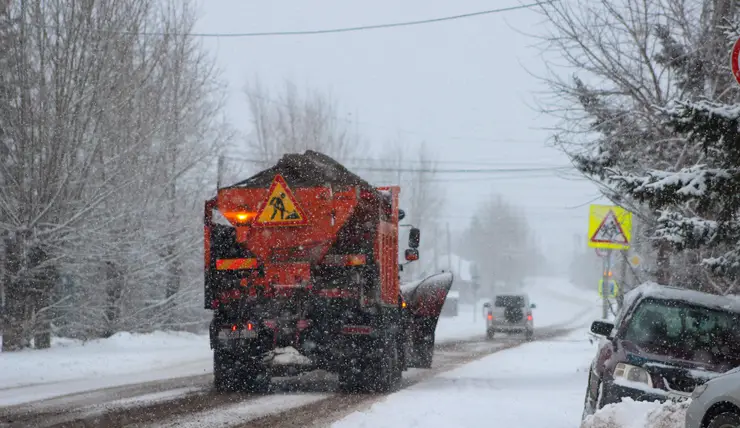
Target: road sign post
x,y
605,283
609,229
475,286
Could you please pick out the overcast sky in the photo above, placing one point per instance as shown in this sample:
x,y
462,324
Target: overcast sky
x,y
461,86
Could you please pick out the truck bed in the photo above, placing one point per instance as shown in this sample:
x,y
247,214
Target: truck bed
x,y
310,169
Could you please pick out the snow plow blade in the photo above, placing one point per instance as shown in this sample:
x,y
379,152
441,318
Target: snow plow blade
x,y
424,300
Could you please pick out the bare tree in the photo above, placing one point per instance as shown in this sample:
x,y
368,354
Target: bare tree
x,y
292,122
100,183
422,196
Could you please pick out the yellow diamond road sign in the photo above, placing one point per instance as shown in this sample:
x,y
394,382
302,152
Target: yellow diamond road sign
x,y
609,227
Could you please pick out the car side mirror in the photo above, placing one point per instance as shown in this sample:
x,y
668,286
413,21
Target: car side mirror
x,y
486,305
533,306
602,328
414,236
401,214
411,254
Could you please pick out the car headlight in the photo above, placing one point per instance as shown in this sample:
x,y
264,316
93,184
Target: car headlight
x,y
699,390
633,374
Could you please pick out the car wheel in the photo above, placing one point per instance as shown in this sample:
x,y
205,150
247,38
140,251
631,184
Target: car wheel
x,y
489,334
725,420
588,405
599,397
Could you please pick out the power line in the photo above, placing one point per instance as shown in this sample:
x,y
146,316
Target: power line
x,y
406,131
332,30
434,170
434,162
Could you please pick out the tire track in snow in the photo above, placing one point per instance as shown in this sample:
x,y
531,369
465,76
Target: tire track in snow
x,y
158,400
335,407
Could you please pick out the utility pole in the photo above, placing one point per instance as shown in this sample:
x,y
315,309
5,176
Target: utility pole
x,y
623,278
449,248
219,171
475,284
605,284
436,253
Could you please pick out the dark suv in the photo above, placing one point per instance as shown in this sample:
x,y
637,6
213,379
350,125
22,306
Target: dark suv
x,y
664,342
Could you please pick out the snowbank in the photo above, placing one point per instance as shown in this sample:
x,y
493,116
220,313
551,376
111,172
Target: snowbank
x,y
639,414
124,358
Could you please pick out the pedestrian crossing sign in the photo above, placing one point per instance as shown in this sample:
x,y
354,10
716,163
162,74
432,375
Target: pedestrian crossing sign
x,y
609,227
281,207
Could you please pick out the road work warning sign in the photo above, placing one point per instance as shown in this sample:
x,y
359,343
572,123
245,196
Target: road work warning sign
x,y
281,207
609,227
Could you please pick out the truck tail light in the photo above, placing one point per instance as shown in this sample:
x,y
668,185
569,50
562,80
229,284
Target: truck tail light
x,y
490,317
236,264
356,260
345,260
239,217
529,317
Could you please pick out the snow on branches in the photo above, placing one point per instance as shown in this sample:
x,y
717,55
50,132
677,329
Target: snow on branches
x,y
698,205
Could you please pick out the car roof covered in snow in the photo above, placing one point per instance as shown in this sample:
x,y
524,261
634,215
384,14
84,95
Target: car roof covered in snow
x,y
513,293
665,292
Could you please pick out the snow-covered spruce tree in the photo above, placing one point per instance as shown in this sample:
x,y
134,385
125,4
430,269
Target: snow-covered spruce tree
x,y
698,205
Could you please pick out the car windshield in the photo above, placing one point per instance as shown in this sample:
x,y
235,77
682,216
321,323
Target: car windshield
x,y
509,301
689,332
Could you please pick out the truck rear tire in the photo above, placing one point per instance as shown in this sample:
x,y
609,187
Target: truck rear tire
x,y
231,374
381,375
225,377
425,356
388,373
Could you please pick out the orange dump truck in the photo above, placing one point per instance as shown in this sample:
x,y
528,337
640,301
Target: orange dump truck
x,y
302,273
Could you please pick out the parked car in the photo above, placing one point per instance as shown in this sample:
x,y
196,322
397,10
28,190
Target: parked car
x,y
510,313
716,403
664,343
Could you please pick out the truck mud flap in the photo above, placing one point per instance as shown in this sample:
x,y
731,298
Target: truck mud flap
x,y
424,300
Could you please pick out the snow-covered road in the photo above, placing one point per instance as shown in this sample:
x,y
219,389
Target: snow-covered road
x,y
547,375
535,384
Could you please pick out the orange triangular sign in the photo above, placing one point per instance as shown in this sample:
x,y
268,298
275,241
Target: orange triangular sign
x,y
610,231
281,207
